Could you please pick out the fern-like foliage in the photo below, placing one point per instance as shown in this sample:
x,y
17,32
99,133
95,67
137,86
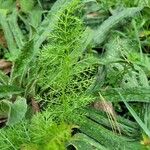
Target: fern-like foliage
x,y
66,72
40,133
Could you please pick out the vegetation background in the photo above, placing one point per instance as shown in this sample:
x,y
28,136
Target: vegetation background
x,y
74,75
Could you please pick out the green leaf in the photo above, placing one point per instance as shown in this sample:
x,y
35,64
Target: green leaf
x,y
26,6
16,31
29,147
134,94
4,108
147,115
82,142
102,31
85,40
8,90
6,4
48,24
136,117
18,111
106,137
87,1
3,78
7,32
14,112
21,64
35,17
126,126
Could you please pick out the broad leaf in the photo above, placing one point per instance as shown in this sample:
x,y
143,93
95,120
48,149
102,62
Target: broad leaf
x,y
83,142
7,31
8,90
16,31
106,137
4,108
135,94
18,111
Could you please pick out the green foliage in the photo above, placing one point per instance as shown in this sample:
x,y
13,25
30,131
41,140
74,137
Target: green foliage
x,y
41,132
26,6
64,58
139,94
7,32
49,23
126,127
7,90
17,111
14,112
4,109
82,142
96,129
6,4
21,65
106,137
65,73
3,78
103,30
16,31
